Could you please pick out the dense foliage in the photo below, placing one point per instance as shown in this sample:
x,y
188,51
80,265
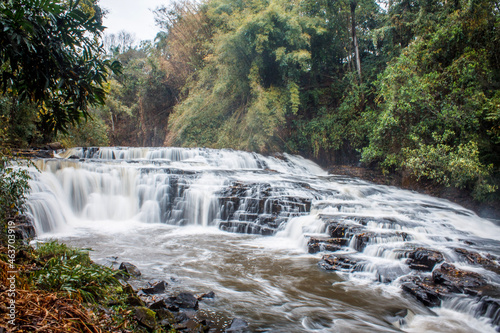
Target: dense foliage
x,y
50,56
410,87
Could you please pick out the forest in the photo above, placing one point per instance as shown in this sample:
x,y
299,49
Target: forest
x,y
405,86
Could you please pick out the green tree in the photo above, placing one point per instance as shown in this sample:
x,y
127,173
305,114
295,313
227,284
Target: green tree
x,y
437,100
50,54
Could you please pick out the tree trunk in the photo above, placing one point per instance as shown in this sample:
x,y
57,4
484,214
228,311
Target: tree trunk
x,y
355,39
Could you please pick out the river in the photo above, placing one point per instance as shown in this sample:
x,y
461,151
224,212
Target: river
x,y
238,224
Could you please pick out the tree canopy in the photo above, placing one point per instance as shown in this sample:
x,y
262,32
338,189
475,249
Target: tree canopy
x,y
51,56
411,87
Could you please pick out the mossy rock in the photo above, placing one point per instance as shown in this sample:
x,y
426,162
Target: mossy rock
x,y
146,317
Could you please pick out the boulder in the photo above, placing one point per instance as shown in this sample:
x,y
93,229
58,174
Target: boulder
x,y
146,317
487,262
457,280
185,301
424,290
131,269
424,259
155,288
164,304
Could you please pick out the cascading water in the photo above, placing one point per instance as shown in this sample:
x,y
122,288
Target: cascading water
x,y
169,211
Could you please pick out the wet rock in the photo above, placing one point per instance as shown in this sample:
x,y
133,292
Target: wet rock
x,y
363,239
210,294
423,259
332,262
74,157
342,230
146,317
457,280
478,259
24,227
156,288
424,290
181,317
238,326
401,318
131,269
165,317
318,244
490,308
164,304
185,301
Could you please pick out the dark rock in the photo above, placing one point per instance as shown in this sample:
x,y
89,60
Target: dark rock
x,y
332,262
146,317
24,227
342,230
185,301
128,289
181,317
238,326
42,153
457,280
156,288
210,294
165,317
134,301
490,308
424,259
74,157
165,304
318,244
401,318
424,290
487,262
131,269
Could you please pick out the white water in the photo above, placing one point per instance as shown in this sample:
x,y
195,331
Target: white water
x,y
161,208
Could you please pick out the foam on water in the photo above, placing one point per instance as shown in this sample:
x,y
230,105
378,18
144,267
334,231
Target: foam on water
x,y
180,199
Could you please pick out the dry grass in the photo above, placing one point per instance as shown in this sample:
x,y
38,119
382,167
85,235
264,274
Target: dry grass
x,y
41,311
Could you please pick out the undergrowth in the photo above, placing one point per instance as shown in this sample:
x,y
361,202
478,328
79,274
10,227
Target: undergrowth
x,y
59,289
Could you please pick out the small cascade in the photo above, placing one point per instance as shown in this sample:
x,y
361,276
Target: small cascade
x,y
364,232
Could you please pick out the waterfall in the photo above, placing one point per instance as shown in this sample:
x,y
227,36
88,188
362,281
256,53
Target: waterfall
x,y
372,231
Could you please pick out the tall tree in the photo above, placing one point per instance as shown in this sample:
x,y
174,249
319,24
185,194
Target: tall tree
x,y
50,55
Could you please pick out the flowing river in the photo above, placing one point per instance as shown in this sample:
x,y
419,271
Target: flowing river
x,y
239,223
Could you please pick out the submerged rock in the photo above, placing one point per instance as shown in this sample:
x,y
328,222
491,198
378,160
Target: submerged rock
x,y
238,326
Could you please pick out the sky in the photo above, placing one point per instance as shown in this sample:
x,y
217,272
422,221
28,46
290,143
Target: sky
x,y
134,16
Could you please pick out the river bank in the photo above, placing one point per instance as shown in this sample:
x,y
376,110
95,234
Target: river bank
x,y
53,287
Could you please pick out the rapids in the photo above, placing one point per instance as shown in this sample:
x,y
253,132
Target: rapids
x,y
238,224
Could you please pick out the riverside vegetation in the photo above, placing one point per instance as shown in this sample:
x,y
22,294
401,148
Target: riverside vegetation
x,y
409,86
